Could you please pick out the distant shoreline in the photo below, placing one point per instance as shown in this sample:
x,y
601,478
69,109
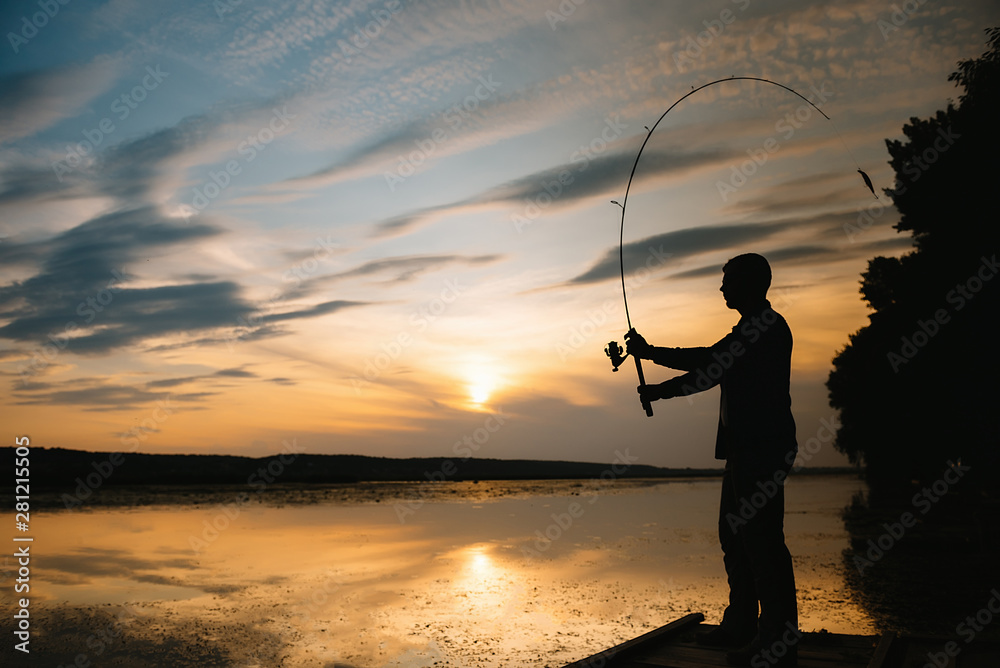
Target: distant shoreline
x,y
58,468
391,493
72,479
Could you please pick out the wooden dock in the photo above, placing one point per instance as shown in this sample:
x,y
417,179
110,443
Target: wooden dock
x,y
674,646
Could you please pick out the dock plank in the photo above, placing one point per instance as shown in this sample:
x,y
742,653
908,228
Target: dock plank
x,y
880,659
618,653
674,646
813,653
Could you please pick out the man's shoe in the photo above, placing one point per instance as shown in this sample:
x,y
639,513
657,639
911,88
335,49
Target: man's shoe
x,y
720,637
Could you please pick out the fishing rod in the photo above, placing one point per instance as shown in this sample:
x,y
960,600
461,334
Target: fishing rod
x,y
615,351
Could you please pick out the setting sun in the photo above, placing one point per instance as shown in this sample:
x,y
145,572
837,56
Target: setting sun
x,y
481,381
479,392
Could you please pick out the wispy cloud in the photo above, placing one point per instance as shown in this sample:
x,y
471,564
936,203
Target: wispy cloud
x,y
35,100
578,180
679,244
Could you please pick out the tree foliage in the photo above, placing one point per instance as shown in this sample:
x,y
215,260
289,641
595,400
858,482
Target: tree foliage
x,y
918,386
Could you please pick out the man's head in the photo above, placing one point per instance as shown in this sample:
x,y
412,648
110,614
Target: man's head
x,y
745,280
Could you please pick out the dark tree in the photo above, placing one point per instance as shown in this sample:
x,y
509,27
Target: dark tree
x,y
918,386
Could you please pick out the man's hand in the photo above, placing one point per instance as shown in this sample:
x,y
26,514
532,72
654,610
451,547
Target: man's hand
x,y
653,392
636,346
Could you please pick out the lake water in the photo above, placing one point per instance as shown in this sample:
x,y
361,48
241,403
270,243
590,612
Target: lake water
x,y
481,576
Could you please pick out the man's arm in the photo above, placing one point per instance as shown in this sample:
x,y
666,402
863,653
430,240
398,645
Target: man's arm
x,y
681,386
682,359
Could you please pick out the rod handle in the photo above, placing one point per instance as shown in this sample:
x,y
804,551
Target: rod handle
x,y
646,404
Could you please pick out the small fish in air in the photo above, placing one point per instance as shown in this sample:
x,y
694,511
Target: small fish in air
x,y
868,182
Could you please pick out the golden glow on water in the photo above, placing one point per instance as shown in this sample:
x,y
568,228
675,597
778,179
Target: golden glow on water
x,y
480,563
463,582
482,581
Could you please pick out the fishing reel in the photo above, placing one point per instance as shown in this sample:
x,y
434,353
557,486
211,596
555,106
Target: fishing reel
x,y
614,351
618,355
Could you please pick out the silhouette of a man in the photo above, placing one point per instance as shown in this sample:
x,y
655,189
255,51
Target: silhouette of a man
x,y
756,437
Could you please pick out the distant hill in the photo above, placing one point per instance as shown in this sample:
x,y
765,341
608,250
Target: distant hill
x,y
60,468
52,468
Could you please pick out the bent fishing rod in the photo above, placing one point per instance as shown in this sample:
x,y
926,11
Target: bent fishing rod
x,y
615,351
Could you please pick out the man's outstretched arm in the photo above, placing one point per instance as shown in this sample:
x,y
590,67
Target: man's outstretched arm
x,y
681,386
682,359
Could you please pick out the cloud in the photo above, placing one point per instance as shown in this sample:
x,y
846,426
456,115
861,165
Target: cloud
x,y
152,168
325,308
236,333
392,270
582,178
83,565
222,373
678,244
80,293
82,297
84,258
235,373
405,268
26,180
600,176
35,100
146,170
812,254
101,396
417,143
132,316
786,198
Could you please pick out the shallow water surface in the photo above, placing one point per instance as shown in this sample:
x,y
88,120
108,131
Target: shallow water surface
x,y
536,578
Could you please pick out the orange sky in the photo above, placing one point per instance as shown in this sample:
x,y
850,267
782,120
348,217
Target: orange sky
x,y
375,251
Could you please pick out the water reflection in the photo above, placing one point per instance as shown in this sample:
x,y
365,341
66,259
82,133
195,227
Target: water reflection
x,y
462,582
481,578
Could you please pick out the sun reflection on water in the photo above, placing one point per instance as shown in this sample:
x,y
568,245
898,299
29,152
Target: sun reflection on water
x,y
482,581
